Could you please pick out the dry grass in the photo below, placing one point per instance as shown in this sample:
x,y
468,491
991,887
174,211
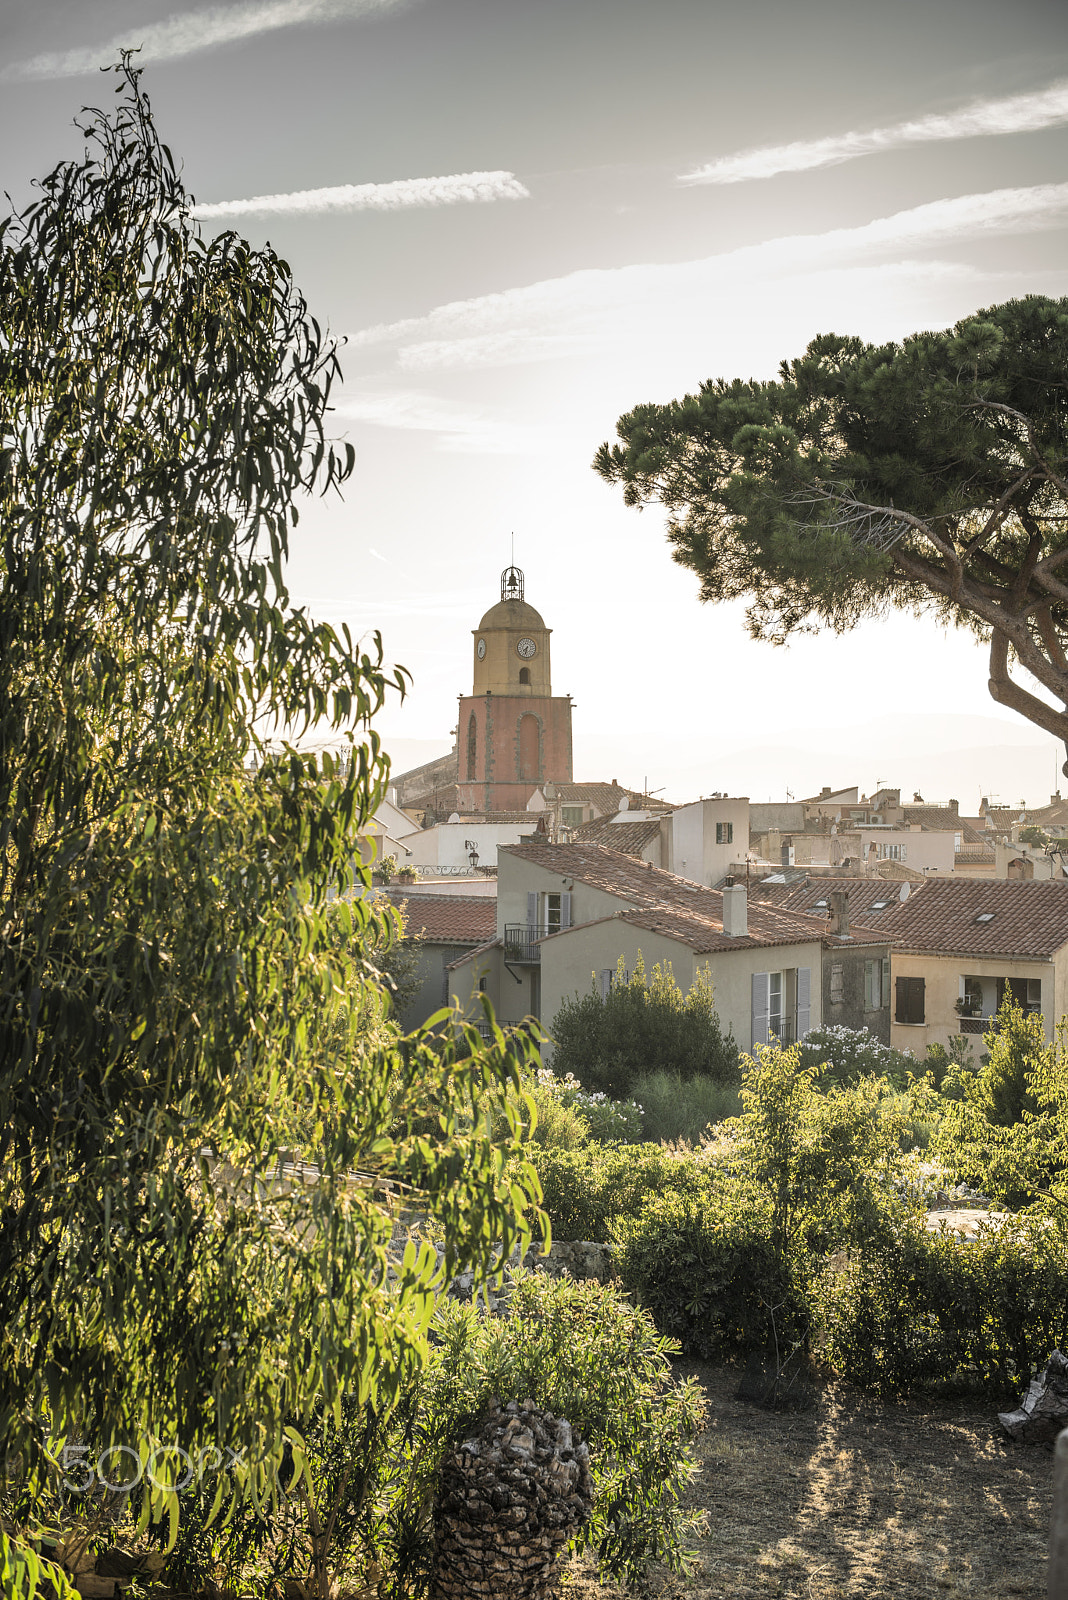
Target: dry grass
x,y
859,1499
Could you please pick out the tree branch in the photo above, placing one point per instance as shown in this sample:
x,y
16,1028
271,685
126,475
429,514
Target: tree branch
x,y
1007,693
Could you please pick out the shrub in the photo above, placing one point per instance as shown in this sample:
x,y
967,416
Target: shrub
x,y
680,1108
926,1309
827,1162
578,1350
644,1024
1025,1160
708,1270
846,1055
584,1189
608,1121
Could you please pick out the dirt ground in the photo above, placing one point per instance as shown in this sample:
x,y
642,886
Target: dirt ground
x,y
859,1498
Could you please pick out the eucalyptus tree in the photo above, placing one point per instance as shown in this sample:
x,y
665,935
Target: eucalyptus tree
x,y
173,997
927,475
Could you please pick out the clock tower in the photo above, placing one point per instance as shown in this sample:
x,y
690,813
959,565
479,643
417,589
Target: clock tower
x,y
513,734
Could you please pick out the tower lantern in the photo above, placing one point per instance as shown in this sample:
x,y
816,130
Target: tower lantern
x,y
512,584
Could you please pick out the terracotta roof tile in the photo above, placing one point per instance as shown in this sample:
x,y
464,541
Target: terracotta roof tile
x,y
447,918
630,837
667,904
1020,918
869,898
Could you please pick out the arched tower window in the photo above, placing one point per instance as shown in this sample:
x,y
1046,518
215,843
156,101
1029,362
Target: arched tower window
x,y
529,742
472,746
524,674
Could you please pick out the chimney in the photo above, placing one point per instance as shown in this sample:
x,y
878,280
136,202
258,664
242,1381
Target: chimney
x,y
954,806
735,911
838,900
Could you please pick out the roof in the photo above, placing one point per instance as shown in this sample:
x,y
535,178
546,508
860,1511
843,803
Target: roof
x,y
869,898
530,818
674,906
943,819
606,797
1025,919
447,918
616,834
512,614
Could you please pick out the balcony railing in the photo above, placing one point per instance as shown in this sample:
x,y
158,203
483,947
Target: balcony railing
x,y
521,943
784,1029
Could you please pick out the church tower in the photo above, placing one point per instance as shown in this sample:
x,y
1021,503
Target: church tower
x,y
513,736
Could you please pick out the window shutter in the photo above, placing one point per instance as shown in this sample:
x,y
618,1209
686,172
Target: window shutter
x,y
919,999
761,988
804,1000
884,992
606,981
901,1000
565,911
532,910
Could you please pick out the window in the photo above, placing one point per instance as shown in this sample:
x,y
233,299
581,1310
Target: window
x,y
571,816
472,746
529,752
876,985
893,852
837,982
1026,991
724,832
781,1005
524,674
910,1000
985,916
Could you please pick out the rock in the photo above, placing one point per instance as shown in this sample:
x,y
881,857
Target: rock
x,y
509,1499
1043,1411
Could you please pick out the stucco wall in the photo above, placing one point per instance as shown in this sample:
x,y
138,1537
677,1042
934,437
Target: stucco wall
x,y
515,878
570,960
942,975
694,852
448,843
851,1011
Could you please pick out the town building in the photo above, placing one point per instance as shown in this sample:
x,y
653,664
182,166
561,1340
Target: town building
x,y
568,914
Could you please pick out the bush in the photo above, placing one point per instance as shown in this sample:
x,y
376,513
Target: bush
x,y
608,1121
1004,1128
926,1310
708,1269
826,1162
578,1350
644,1024
584,1189
846,1055
680,1108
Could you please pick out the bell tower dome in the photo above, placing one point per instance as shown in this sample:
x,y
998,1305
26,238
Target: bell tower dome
x,y
512,644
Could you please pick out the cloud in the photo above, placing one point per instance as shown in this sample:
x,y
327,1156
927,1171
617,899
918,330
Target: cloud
x,y
1018,113
189,32
568,315
460,188
462,429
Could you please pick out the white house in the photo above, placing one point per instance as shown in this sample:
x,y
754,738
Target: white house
x,y
567,914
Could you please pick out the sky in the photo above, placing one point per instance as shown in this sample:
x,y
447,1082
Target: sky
x,y
525,217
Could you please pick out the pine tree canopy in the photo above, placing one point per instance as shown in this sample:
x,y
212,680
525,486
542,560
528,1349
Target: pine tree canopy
x,y
929,475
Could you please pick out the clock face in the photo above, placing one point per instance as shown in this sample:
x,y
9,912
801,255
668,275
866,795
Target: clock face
x,y
481,649
526,648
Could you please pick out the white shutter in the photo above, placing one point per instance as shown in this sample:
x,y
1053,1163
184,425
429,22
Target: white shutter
x,y
804,1000
532,910
761,988
884,992
565,911
606,981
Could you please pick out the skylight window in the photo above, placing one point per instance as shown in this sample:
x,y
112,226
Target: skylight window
x,y
878,905
821,902
985,916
